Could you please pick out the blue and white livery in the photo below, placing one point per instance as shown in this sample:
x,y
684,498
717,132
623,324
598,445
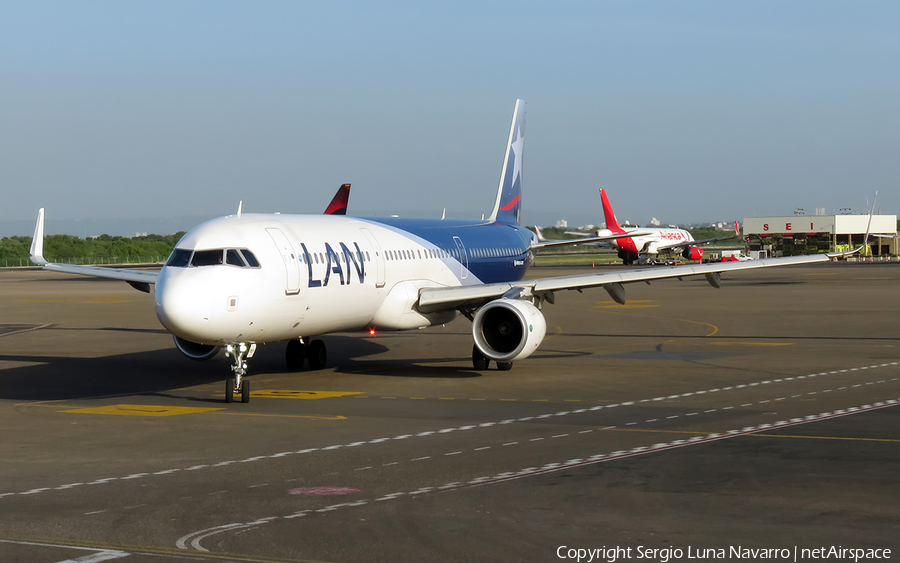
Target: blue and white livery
x,y
244,279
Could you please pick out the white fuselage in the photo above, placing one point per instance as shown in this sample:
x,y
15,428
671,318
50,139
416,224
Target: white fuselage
x,y
653,241
316,274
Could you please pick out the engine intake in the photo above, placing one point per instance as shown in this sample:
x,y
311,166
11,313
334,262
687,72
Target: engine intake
x,y
508,329
199,352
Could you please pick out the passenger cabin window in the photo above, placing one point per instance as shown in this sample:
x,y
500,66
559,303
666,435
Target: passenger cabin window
x,y
179,258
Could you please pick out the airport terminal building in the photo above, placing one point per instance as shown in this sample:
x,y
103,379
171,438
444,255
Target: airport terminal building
x,y
811,234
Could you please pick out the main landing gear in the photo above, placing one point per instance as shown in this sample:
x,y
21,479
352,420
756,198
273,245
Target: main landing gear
x,y
481,362
313,352
237,385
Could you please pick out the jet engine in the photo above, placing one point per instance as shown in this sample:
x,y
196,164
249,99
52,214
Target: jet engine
x,y
199,352
508,329
693,253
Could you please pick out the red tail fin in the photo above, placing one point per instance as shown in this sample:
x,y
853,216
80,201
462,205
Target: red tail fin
x,y
611,222
338,205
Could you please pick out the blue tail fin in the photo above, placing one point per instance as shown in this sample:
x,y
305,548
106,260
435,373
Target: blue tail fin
x,y
508,206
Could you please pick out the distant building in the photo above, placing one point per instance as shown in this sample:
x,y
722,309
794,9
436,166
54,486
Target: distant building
x,y
654,222
809,234
562,224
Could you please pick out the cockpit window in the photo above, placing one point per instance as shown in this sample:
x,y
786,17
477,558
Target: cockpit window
x,y
179,258
250,258
233,258
207,257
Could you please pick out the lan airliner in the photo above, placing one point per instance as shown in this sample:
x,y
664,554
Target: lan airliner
x,y
237,281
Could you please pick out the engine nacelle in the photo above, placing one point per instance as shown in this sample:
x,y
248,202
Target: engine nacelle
x,y
199,352
693,253
508,329
627,254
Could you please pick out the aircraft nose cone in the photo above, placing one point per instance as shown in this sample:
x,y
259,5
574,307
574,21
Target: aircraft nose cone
x,y
182,308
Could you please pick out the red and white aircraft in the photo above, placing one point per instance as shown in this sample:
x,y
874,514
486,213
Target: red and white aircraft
x,y
651,242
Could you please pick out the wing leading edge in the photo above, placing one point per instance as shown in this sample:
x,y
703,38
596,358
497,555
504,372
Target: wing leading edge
x,y
436,299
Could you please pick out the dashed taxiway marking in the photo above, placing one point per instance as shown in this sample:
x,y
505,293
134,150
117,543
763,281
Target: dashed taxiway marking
x,y
449,430
699,438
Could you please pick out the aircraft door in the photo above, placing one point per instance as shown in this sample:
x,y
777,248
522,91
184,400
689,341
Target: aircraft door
x,y
291,263
379,257
463,258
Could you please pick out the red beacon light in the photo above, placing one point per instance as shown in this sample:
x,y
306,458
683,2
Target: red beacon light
x,y
371,332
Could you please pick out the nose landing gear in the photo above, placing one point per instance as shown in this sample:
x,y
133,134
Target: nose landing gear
x,y
237,385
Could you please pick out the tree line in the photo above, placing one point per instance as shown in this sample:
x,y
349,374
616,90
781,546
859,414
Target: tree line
x,y
104,249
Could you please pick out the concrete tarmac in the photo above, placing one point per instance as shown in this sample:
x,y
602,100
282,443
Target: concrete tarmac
x,y
758,415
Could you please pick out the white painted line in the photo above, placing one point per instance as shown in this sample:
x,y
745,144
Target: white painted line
x,y
35,491
482,448
24,330
453,453
107,553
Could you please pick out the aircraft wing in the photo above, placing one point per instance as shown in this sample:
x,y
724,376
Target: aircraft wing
x,y
586,239
441,298
138,279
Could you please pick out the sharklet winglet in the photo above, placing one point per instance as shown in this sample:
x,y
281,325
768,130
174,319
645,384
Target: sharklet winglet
x,y
37,243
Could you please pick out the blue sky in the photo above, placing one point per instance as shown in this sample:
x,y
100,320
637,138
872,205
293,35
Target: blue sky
x,y
684,111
